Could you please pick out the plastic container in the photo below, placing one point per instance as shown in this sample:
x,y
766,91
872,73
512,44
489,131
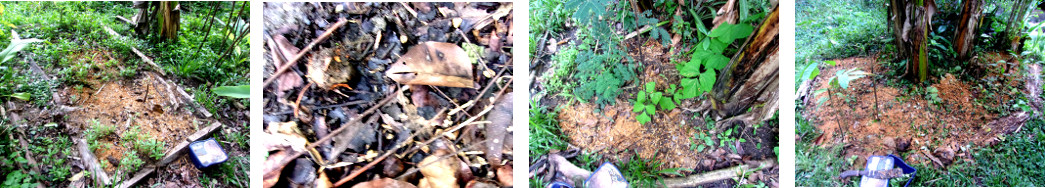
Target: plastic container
x,y
206,153
606,176
877,162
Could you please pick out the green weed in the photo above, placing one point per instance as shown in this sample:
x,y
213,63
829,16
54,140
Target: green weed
x,y
698,75
835,29
648,105
544,130
130,162
563,65
643,173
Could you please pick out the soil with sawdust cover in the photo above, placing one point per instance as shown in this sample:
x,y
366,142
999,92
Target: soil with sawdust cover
x,y
880,118
613,132
125,102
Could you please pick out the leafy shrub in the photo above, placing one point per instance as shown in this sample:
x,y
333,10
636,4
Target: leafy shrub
x,y
130,162
698,75
97,131
150,147
563,68
648,105
601,75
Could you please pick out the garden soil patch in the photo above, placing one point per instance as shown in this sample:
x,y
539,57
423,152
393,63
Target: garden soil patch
x,y
613,132
942,131
141,101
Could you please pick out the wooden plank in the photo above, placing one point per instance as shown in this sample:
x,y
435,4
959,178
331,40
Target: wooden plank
x,y
172,154
179,149
135,50
91,163
137,177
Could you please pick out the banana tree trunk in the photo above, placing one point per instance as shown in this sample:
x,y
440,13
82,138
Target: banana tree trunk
x,y
746,90
1014,26
964,39
163,18
169,20
910,23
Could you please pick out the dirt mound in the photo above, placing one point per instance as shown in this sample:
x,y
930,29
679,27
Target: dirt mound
x,y
906,118
143,101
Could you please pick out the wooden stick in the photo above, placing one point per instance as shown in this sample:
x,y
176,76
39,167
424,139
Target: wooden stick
x,y
417,147
92,163
331,135
308,48
717,175
146,59
393,150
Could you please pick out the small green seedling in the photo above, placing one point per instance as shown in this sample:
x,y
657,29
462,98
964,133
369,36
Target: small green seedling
x,y
647,101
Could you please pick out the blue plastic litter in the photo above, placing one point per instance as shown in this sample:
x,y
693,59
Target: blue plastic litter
x,y
877,162
206,153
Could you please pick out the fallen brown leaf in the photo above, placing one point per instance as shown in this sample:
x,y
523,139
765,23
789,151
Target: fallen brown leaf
x,y
439,170
384,183
434,63
504,175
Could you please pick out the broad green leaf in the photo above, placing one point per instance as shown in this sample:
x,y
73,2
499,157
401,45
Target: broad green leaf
x,y
240,91
638,107
23,96
650,86
642,118
716,47
741,31
819,91
655,97
721,30
667,104
810,71
650,108
15,46
717,62
846,76
670,90
707,81
691,69
690,88
642,97
832,63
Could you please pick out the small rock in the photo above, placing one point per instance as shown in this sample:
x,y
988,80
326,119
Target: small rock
x,y
903,145
304,173
945,154
392,167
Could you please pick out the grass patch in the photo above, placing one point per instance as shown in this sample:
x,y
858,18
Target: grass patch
x,y
544,131
835,29
1014,162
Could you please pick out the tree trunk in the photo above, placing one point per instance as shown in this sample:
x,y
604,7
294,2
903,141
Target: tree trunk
x,y
964,38
162,17
1014,26
746,90
169,20
910,23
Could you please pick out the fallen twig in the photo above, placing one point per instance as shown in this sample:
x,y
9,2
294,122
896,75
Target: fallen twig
x,y
297,104
338,131
146,59
350,103
418,146
87,158
717,175
307,48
